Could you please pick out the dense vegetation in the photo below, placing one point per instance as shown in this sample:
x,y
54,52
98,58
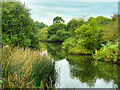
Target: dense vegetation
x,y
17,26
24,67
97,36
78,36
92,35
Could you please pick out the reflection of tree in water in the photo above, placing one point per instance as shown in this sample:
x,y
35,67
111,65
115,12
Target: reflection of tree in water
x,y
85,69
108,72
119,76
54,49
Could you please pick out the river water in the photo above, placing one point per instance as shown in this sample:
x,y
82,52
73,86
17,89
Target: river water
x,y
80,71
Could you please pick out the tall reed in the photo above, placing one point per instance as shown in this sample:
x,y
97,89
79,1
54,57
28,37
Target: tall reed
x,y
26,68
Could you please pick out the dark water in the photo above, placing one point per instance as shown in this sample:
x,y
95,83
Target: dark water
x,y
80,71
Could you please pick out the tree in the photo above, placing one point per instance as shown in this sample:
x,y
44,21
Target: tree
x,y
40,25
115,17
17,25
110,32
58,19
57,32
73,24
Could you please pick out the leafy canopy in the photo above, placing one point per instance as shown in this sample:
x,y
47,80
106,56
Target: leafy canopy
x,y
58,19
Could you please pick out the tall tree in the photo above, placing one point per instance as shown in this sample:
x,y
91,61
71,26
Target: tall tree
x,y
58,19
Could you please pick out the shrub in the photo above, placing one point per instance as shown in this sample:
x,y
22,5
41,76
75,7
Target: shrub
x,y
108,52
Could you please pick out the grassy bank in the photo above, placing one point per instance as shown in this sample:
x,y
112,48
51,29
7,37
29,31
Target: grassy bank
x,y
26,68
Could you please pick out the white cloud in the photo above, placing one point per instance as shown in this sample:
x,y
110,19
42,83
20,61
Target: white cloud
x,y
38,8
47,21
46,14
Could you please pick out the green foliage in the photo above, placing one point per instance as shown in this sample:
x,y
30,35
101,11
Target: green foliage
x,y
73,24
87,36
40,25
58,19
57,32
42,34
0,36
43,70
69,44
116,17
110,32
101,20
62,35
17,26
54,50
108,52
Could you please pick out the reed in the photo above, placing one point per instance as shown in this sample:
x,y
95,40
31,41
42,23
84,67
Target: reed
x,y
26,68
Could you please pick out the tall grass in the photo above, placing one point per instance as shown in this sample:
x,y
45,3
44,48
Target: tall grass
x,y
26,68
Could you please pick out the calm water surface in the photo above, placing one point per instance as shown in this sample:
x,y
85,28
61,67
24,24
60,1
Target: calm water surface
x,y
80,71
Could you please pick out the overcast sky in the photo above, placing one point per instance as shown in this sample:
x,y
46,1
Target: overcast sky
x,y
45,10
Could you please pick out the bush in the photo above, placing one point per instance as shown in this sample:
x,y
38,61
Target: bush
x,y
108,52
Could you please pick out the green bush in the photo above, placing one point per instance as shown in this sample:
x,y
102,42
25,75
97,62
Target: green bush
x,y
108,52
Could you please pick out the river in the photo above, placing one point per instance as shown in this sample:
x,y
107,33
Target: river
x,y
80,71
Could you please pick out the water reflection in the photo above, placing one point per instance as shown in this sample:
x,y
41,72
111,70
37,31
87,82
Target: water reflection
x,y
81,71
89,71
83,68
54,49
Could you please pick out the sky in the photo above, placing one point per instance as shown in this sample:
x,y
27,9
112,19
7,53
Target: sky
x,y
45,10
